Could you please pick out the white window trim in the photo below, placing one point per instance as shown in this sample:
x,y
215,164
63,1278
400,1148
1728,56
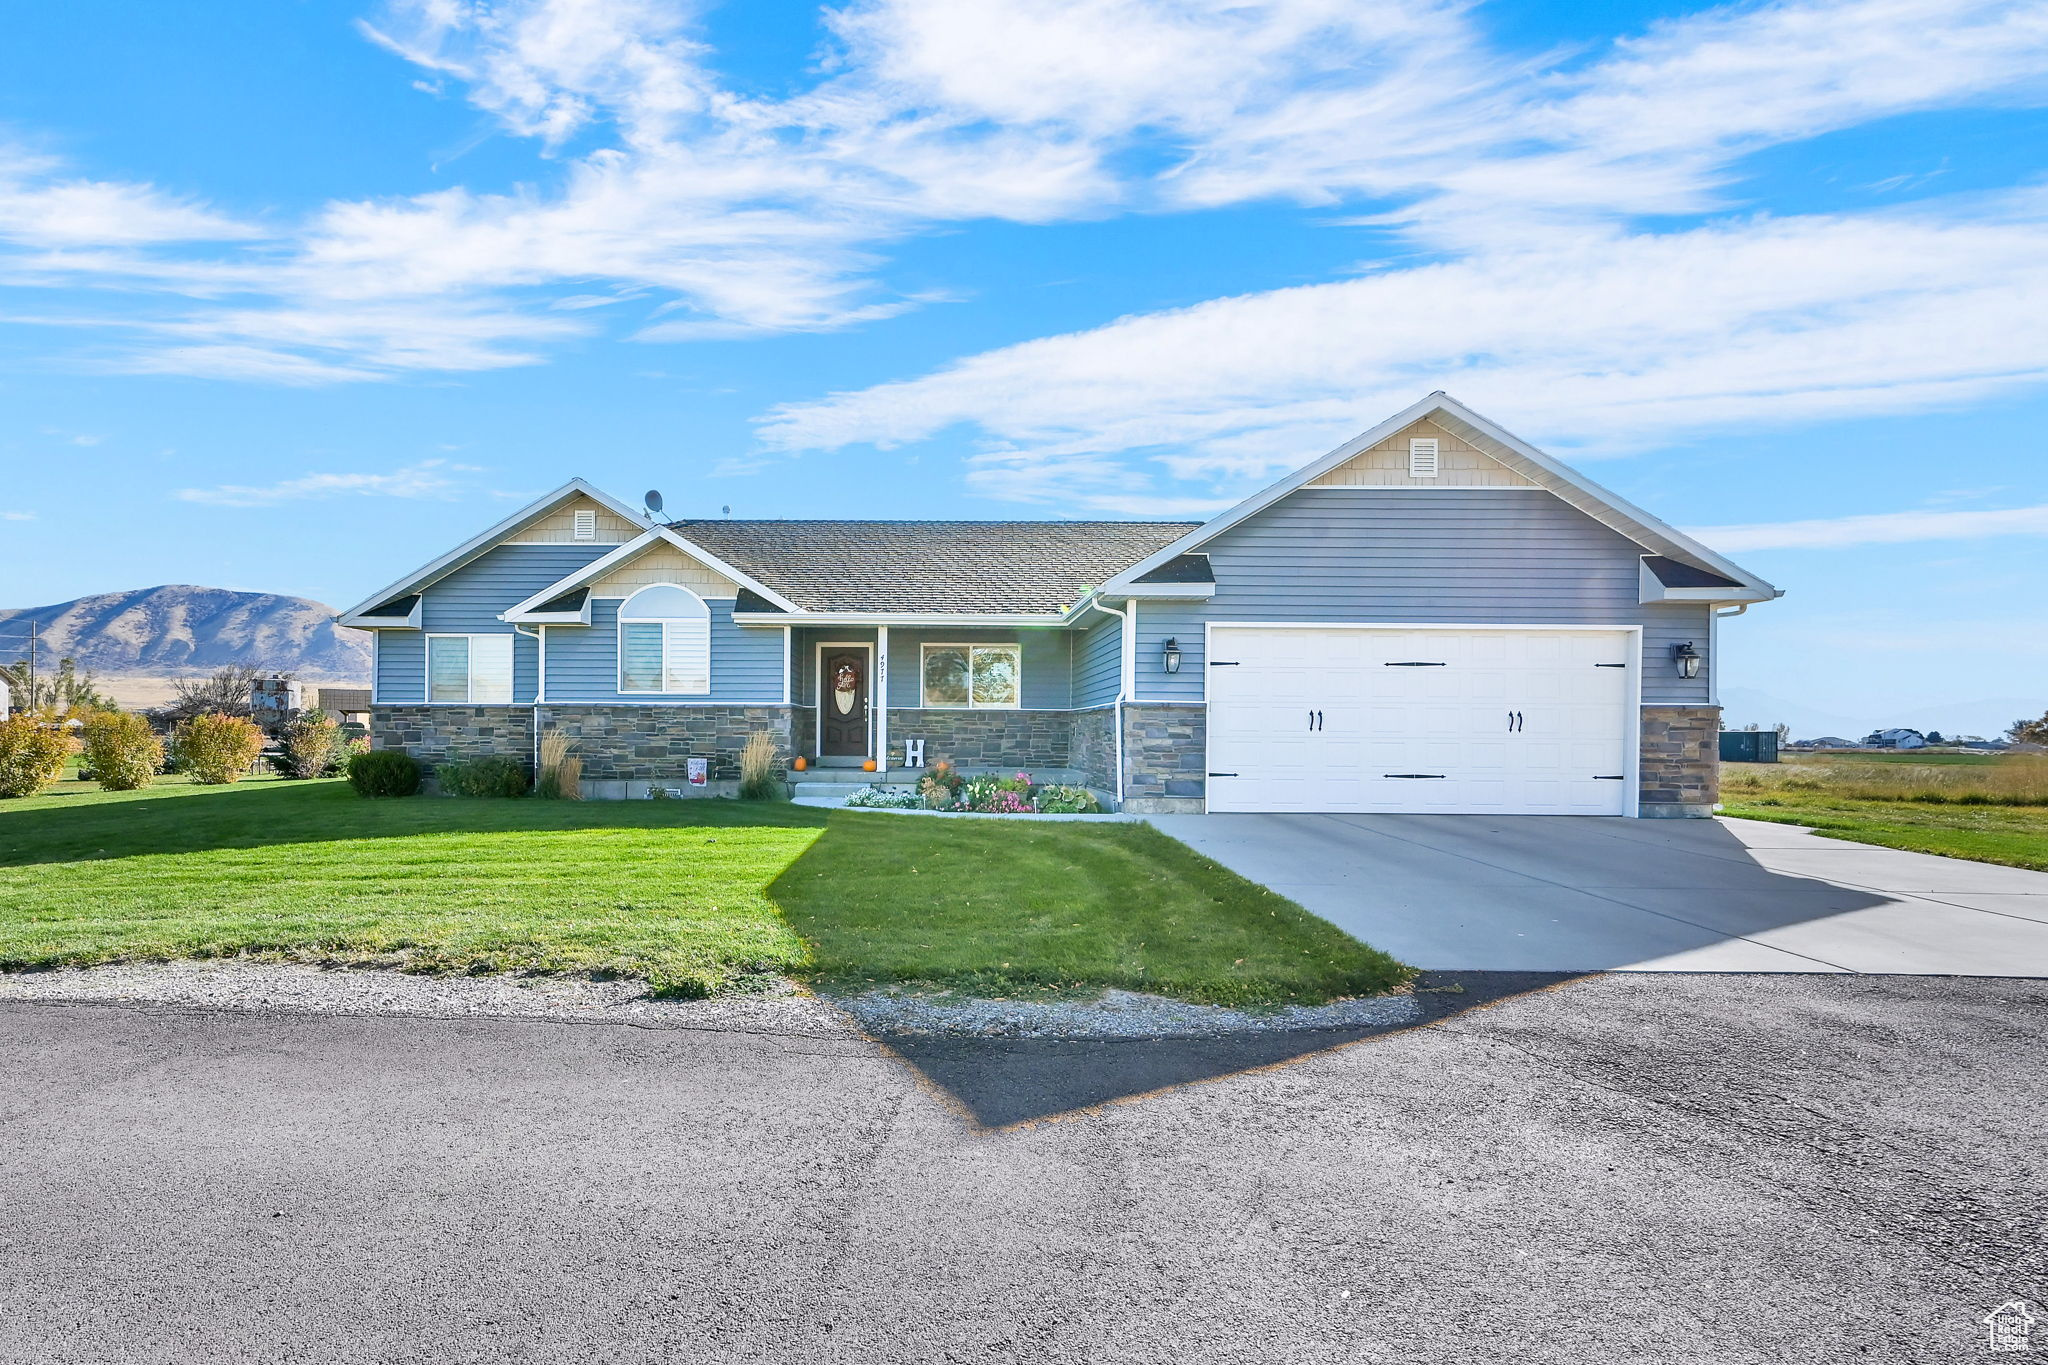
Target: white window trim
x,y
665,623
469,696
971,704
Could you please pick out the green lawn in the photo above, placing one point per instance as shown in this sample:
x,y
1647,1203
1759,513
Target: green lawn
x,y
695,896
2014,835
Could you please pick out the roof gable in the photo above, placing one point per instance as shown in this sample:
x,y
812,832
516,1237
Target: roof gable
x,y
1385,464
1508,451
564,499
719,579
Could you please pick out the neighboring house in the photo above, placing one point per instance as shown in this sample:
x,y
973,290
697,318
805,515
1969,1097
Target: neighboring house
x,y
1435,617
346,704
1895,739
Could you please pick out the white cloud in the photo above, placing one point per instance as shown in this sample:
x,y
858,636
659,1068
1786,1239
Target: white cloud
x,y
718,214
427,479
17,516
1612,339
39,209
1883,528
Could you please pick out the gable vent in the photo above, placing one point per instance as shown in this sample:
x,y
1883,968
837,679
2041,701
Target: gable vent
x,y
1422,457
586,525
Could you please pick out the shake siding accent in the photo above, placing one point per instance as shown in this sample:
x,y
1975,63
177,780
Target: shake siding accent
x,y
583,661
1487,556
1047,659
559,527
467,602
1098,661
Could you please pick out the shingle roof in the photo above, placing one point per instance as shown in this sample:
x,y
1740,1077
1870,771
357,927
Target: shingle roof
x,y
968,567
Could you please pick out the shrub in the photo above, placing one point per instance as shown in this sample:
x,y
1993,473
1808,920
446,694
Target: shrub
x,y
215,749
759,778
121,750
491,775
1055,799
384,772
886,798
561,772
31,755
310,743
940,786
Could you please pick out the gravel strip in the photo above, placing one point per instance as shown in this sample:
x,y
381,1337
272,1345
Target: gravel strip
x,y
296,988
300,989
1117,1014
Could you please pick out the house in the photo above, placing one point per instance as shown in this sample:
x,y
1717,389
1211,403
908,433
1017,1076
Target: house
x,y
349,705
1895,739
1434,617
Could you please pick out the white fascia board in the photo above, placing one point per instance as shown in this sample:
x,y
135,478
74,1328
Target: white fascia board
x,y
598,568
897,618
476,545
1162,592
1517,454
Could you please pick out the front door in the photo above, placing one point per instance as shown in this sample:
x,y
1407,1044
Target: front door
x,y
843,701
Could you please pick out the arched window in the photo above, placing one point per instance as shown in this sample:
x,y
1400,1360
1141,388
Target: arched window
x,y
664,641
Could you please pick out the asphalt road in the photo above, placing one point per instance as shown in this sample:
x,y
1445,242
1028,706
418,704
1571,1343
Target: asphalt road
x,y
1659,1168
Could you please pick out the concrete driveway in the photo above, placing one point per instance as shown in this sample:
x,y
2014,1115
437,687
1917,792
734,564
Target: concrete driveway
x,y
1565,894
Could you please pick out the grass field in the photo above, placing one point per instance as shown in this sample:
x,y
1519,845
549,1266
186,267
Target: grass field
x,y
1989,807
697,897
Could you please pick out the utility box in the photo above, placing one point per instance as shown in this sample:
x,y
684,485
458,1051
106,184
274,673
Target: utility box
x,y
1749,746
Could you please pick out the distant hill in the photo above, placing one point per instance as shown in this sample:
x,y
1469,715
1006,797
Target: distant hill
x,y
179,629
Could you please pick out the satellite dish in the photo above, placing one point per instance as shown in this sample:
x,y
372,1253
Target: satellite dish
x,y
652,499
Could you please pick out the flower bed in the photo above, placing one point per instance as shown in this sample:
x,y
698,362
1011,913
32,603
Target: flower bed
x,y
944,789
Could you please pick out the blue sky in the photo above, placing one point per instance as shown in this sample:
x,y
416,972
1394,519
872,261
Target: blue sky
x,y
295,296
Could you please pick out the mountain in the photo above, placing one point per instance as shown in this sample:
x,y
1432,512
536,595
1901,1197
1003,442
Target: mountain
x,y
180,629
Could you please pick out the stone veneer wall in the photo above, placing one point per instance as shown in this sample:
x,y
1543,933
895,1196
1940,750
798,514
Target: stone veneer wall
x,y
1094,746
984,739
644,743
1166,757
1681,767
434,734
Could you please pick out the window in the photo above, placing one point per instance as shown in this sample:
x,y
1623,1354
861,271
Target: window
x,y
1422,457
664,641
972,675
586,525
469,668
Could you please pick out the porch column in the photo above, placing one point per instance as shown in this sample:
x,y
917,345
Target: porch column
x,y
880,693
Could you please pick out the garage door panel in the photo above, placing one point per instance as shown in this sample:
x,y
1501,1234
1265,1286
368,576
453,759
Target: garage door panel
x,y
1452,721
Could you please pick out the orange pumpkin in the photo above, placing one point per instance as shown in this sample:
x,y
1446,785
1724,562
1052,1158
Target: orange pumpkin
x,y
868,766
801,763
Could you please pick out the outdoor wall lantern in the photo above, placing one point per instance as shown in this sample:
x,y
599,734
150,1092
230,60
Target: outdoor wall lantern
x,y
1169,655
1687,658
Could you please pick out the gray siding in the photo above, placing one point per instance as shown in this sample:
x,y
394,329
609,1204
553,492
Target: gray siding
x,y
467,602
1480,555
1157,623
1098,661
583,661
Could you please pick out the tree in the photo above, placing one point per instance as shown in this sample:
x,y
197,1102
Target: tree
x,y
66,691
224,692
2029,731
1784,733
1934,737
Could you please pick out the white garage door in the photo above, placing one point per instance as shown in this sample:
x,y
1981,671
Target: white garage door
x,y
1465,721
